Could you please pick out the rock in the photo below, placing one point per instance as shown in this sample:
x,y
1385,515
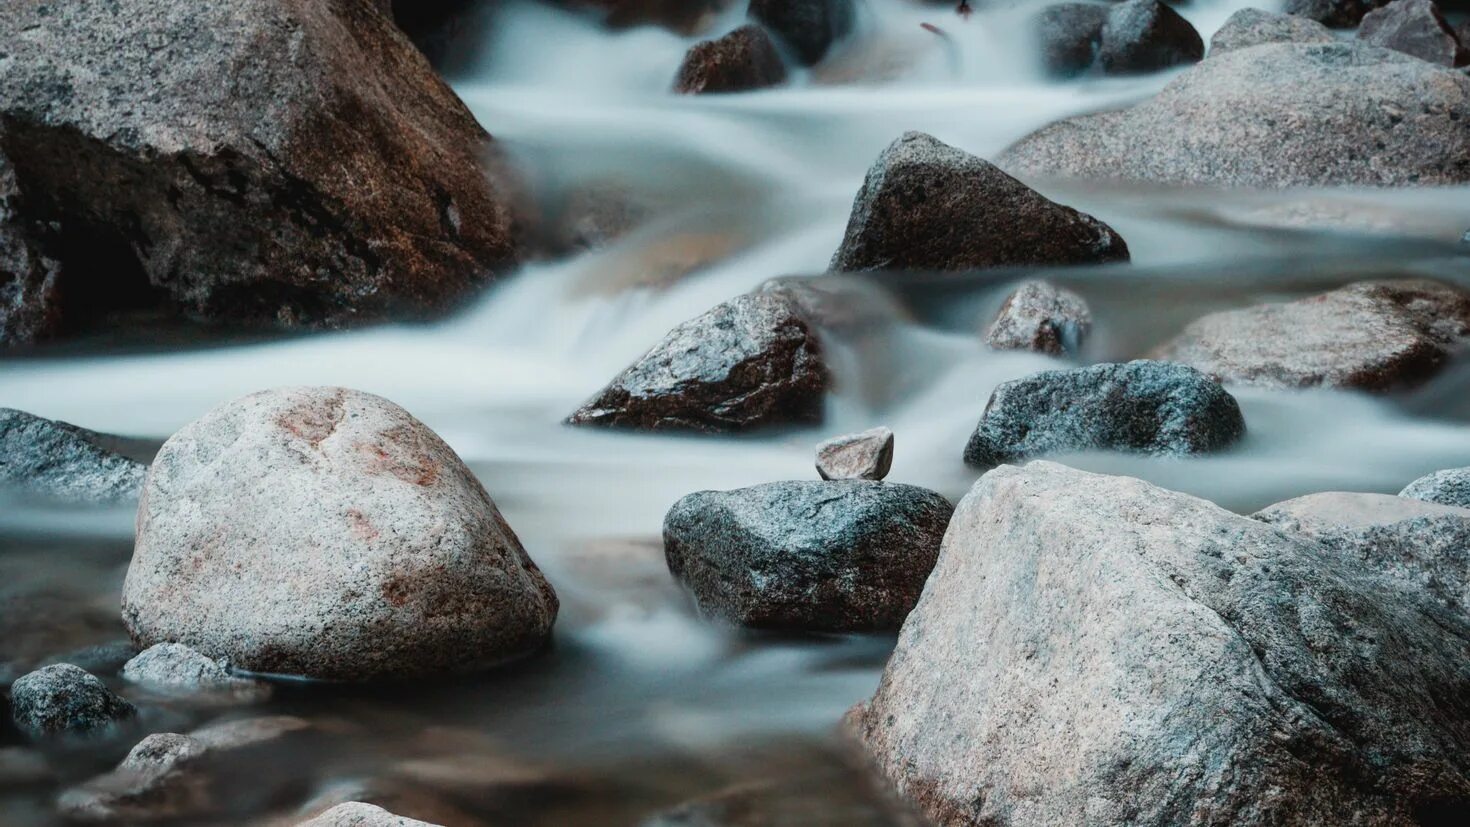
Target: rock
x,y
1041,317
61,461
30,276
63,700
838,556
751,362
926,205
1424,545
1414,27
1145,36
176,669
1096,650
155,781
1140,406
742,60
862,456
1357,114
256,161
357,814
785,802
247,732
809,27
1448,487
1253,27
1339,14
1370,335
325,532
1069,34
596,215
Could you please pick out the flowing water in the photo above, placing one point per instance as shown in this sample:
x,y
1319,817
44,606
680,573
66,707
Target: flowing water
x,y
641,704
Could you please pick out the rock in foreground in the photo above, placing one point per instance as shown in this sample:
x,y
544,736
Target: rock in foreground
x,y
839,556
1253,27
325,532
1448,487
63,700
1414,27
750,362
1096,650
1146,36
61,461
862,456
1041,317
1371,335
925,205
1141,406
742,60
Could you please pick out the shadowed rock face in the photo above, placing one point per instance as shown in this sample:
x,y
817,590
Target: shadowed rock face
x,y
1068,34
741,60
1339,14
260,160
809,27
1358,115
1448,487
30,299
925,205
1253,27
1414,27
55,459
1096,650
325,532
1145,36
1372,335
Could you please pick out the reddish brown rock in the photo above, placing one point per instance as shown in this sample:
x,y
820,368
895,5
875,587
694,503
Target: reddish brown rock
x,y
742,60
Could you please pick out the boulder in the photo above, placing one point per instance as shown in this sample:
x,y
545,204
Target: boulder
x,y
63,700
925,205
256,161
808,555
358,814
1140,406
1041,317
1096,650
809,27
175,669
1422,544
1278,115
862,456
1414,27
1068,35
61,461
1253,27
1448,487
749,363
1370,335
742,60
326,533
30,276
1145,36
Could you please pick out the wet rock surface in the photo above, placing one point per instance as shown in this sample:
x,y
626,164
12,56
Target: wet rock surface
x,y
358,814
327,533
1140,406
61,461
1068,35
1448,487
821,556
1042,317
925,205
808,27
30,275
1372,335
62,699
867,455
742,60
1253,27
750,362
1094,649
1414,27
1145,36
173,668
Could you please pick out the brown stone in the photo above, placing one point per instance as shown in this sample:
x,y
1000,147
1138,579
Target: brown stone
x,y
1042,317
742,60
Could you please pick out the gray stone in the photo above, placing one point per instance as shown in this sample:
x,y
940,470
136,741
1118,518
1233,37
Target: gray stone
x,y
862,456
174,668
1414,27
750,362
1139,406
327,533
838,556
1096,650
742,60
1039,316
63,700
809,27
58,460
1068,35
1278,115
1253,27
925,205
1370,335
157,780
1448,487
358,814
30,276
1145,36
1339,14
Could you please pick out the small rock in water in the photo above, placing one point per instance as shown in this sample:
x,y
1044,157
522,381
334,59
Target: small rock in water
x,y
245,732
1145,36
1069,34
1141,406
1253,27
55,459
175,668
1414,27
358,814
62,699
1042,317
596,215
750,362
1339,14
155,781
742,60
838,556
862,456
809,27
1448,487
926,205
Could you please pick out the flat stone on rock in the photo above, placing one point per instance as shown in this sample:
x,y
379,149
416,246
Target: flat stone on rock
x,y
809,27
1414,27
61,461
742,60
1041,317
358,814
1253,27
62,699
174,668
862,456
325,532
925,205
1140,406
809,555
1146,36
1448,487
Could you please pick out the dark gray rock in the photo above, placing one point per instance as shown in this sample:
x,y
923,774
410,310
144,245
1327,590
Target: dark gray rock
x,y
838,556
1448,487
742,60
1042,317
1339,14
63,700
1253,27
862,456
1145,36
925,205
809,27
1141,406
1068,35
751,362
1414,27
175,669
1358,114
58,460
30,276
1096,650
1371,335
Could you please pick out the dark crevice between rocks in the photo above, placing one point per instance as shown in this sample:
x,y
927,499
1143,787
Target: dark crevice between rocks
x,y
103,284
